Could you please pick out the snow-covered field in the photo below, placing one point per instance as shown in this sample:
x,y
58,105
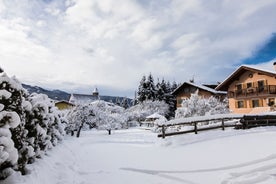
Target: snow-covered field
x,y
137,156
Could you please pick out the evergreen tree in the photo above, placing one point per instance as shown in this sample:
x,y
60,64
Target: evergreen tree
x,y
160,91
142,90
150,88
170,100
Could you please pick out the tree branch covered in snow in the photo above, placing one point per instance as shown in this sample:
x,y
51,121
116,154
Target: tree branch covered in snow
x,y
199,106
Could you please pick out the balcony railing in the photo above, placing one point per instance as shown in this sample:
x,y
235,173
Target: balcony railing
x,y
253,91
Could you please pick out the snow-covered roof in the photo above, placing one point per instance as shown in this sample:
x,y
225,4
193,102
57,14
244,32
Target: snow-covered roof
x,y
239,71
154,116
95,90
200,86
82,99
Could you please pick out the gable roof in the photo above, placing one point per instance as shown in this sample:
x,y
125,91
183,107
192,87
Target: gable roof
x,y
82,99
199,86
239,71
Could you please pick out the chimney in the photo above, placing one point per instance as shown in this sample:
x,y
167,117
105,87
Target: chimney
x,y
274,64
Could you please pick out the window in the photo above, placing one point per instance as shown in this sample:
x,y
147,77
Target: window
x,y
240,104
239,89
255,103
179,101
271,101
249,85
261,85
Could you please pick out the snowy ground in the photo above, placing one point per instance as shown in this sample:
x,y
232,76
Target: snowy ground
x,y
137,156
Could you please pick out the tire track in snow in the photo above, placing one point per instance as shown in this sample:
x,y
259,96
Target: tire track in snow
x,y
155,172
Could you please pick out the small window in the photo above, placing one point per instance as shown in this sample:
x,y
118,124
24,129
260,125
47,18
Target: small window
x,y
240,104
271,101
239,87
179,101
249,85
255,103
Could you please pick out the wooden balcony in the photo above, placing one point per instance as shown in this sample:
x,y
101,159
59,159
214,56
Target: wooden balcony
x,y
253,91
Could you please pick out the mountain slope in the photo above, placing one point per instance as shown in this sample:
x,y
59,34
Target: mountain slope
x,y
53,94
59,95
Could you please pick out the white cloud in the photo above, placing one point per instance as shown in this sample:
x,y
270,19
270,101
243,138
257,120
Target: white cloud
x,y
76,43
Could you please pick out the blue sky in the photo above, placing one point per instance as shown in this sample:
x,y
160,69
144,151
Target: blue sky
x,y
75,45
263,54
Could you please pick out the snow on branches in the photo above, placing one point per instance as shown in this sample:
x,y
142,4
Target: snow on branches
x,y
199,106
29,126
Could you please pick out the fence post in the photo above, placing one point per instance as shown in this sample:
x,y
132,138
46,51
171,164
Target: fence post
x,y
195,127
163,131
222,124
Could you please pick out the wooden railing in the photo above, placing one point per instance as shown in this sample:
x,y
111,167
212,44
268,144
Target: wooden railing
x,y
201,123
253,91
222,121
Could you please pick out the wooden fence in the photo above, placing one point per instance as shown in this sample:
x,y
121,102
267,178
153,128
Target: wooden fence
x,y
244,122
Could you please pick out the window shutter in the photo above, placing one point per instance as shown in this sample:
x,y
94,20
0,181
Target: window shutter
x,y
245,103
255,84
261,102
236,104
250,103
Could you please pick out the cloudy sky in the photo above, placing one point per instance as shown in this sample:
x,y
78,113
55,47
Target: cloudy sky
x,y
75,45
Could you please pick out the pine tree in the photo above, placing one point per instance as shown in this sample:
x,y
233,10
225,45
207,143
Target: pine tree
x,y
150,88
160,91
170,100
141,94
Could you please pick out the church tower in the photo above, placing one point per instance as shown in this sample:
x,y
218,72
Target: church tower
x,y
95,92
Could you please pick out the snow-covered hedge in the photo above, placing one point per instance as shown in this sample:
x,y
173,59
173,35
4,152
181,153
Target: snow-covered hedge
x,y
29,126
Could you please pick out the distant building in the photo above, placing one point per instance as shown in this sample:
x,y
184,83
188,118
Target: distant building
x,y
250,90
63,105
185,90
83,98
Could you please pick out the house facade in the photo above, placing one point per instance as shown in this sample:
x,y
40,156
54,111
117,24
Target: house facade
x,y
250,90
64,105
185,90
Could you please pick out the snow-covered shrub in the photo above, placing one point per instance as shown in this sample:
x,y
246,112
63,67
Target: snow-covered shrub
x,y
140,111
197,105
45,125
28,125
13,100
